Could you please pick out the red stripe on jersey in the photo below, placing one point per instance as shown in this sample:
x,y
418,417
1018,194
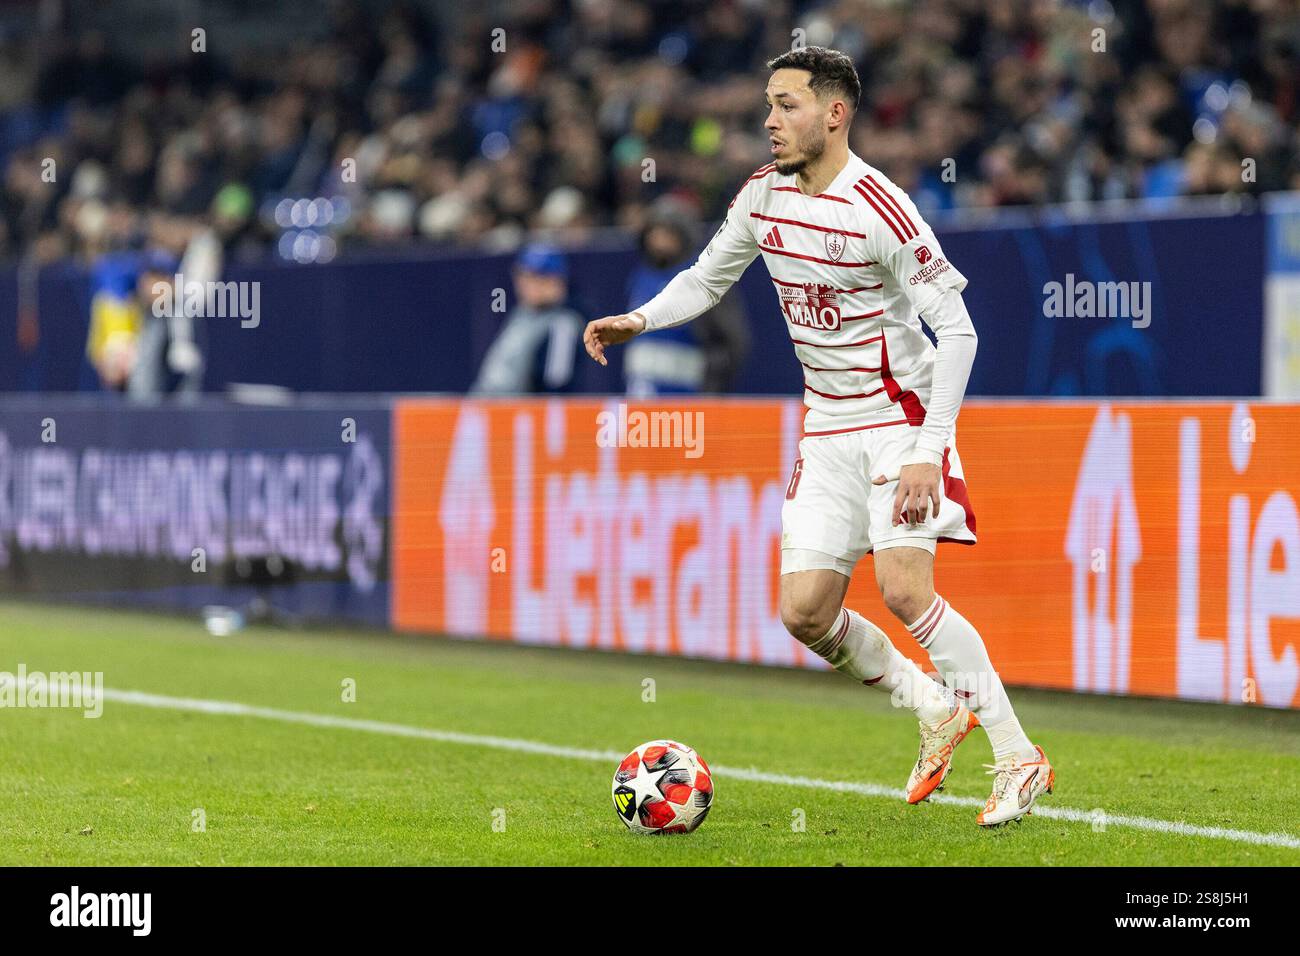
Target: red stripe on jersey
x,y
814,368
861,428
825,262
912,406
807,225
792,189
800,285
845,345
757,174
808,388
776,238
889,203
895,205
865,195
864,315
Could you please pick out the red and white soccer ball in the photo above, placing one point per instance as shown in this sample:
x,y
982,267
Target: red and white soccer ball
x,y
663,787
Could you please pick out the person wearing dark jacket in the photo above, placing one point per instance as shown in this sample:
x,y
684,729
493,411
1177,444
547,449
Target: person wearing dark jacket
x,y
702,356
538,346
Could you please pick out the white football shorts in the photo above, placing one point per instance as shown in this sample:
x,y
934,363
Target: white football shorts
x,y
833,514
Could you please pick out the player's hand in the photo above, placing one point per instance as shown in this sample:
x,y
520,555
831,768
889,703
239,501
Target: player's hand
x,y
611,330
918,488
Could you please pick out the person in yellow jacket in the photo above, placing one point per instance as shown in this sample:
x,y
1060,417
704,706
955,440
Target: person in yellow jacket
x,y
114,332
123,291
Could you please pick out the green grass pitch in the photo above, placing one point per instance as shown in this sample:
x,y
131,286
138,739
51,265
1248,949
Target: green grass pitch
x,y
123,789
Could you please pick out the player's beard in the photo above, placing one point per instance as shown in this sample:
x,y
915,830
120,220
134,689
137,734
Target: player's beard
x,y
810,149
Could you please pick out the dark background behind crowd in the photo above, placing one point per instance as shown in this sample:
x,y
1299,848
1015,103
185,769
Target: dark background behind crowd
x,y
305,130
508,169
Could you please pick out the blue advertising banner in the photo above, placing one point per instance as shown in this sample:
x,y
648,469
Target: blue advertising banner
x,y
281,510
1193,286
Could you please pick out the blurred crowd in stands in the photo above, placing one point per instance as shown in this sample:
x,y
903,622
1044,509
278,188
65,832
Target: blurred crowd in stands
x,y
566,115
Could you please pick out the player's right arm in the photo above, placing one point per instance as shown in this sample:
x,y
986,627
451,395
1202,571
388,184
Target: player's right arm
x,y
692,291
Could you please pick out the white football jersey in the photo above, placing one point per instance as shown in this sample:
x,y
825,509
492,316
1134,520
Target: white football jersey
x,y
852,268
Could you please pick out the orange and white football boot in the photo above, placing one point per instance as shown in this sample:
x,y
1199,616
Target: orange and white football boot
x,y
1016,785
934,762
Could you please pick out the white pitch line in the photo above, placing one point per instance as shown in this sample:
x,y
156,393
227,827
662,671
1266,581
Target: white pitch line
x,y
230,708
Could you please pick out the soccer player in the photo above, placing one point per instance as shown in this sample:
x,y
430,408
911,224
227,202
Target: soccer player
x,y
853,264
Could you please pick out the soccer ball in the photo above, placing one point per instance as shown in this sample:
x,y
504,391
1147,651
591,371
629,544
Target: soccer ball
x,y
663,787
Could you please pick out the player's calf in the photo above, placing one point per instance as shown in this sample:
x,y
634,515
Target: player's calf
x,y
855,647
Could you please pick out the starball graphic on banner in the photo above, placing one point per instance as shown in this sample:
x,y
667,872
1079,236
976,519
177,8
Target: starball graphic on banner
x,y
171,507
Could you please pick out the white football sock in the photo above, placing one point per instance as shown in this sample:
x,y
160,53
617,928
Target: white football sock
x,y
960,657
856,647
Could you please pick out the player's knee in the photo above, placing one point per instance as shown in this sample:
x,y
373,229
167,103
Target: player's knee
x,y
807,620
904,600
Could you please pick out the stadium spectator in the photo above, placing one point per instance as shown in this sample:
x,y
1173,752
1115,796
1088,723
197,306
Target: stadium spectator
x,y
115,319
540,342
426,133
169,357
701,356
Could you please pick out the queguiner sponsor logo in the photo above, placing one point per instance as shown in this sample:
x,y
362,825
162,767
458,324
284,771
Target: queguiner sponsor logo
x,y
75,908
934,267
72,690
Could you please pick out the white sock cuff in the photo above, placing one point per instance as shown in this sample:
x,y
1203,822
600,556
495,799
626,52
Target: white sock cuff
x,y
924,627
829,643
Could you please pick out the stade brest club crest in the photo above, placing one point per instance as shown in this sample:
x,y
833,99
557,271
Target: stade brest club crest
x,y
835,245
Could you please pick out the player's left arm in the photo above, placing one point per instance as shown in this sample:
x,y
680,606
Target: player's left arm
x,y
933,285
957,343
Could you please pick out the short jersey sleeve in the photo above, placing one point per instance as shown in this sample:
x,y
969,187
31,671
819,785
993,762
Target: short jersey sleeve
x,y
900,240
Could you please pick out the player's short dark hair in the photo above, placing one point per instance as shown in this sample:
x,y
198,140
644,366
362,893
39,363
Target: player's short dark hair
x,y
832,72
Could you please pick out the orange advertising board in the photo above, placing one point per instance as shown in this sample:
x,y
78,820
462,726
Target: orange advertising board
x,y
1128,548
